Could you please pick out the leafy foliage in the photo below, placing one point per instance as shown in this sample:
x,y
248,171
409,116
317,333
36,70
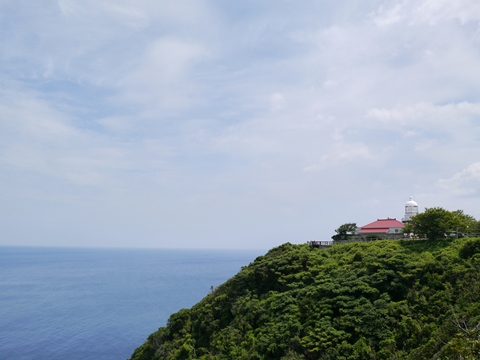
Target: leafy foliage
x,y
345,231
377,300
437,223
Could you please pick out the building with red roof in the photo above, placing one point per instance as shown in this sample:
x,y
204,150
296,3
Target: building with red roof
x,y
382,227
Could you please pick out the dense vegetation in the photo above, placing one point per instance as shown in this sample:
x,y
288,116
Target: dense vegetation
x,y
376,300
435,223
345,231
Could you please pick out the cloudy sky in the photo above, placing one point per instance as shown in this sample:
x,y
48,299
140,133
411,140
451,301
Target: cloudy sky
x,y
222,124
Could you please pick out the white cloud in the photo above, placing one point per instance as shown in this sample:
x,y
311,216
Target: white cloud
x,y
427,115
162,75
236,111
341,154
277,102
40,139
389,15
439,136
70,7
432,11
130,16
463,183
429,12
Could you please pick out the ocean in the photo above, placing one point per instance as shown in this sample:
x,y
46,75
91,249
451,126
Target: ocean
x,y
74,303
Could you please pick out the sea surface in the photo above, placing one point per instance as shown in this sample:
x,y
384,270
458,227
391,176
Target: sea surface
x,y
85,304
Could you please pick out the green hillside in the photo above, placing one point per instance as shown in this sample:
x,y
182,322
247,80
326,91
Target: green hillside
x,y
377,300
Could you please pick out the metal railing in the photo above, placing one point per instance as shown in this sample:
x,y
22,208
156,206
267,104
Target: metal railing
x,y
358,238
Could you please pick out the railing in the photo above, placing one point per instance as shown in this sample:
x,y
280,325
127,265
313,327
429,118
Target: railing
x,y
358,238
316,243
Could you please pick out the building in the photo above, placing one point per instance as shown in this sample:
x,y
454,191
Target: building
x,y
389,228
411,209
382,227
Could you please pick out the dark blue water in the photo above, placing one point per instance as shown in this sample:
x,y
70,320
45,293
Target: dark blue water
x,y
63,303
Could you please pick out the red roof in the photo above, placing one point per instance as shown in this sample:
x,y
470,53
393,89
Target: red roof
x,y
381,226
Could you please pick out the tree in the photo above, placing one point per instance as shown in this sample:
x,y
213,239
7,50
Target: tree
x,y
464,224
345,231
435,223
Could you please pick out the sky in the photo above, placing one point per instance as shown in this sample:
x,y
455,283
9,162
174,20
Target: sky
x,y
232,124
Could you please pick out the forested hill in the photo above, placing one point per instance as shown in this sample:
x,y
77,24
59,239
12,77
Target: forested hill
x,y
377,300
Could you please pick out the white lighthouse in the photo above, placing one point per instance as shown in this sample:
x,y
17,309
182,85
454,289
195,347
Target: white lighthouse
x,y
411,209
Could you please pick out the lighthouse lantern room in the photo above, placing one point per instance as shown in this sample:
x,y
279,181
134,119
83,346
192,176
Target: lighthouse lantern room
x,y
411,209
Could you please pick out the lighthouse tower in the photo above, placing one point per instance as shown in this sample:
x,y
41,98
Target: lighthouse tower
x,y
411,209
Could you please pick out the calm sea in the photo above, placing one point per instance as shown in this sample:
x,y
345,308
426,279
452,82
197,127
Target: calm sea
x,y
64,303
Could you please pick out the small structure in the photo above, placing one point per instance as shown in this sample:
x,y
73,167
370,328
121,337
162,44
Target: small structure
x,y
411,209
321,244
383,227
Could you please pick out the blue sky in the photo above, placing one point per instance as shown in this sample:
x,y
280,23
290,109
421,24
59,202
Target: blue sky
x,y
220,124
